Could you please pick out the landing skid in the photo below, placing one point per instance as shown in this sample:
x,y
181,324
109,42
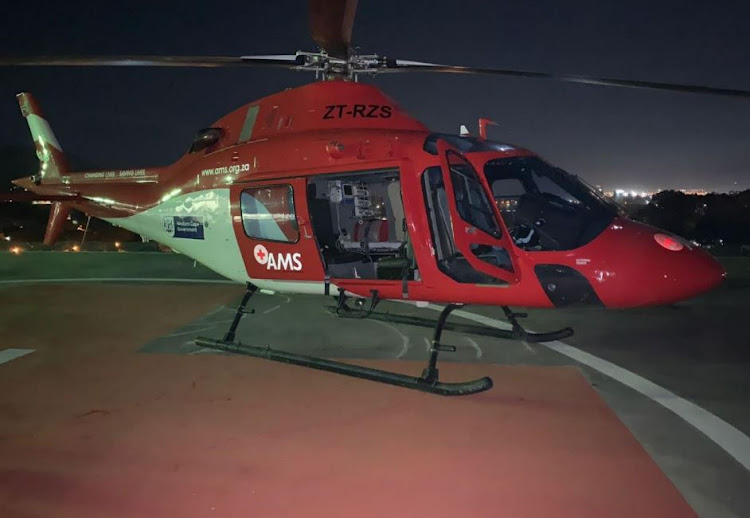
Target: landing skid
x,y
356,371
517,332
506,334
428,382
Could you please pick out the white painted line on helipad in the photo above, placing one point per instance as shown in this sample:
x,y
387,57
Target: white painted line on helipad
x,y
733,441
726,436
215,310
477,349
404,338
190,332
120,279
7,355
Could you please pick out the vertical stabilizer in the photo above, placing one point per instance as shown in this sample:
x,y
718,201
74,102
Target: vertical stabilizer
x,y
52,163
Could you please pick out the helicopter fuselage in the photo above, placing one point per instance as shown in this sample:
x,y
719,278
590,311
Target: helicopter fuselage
x,y
332,186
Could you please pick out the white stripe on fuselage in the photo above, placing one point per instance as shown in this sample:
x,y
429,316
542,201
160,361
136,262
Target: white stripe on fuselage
x,y
218,250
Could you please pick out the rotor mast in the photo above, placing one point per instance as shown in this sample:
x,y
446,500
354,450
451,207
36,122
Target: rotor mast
x,y
328,67
331,24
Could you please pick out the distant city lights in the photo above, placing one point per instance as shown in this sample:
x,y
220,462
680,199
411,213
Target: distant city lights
x,y
632,193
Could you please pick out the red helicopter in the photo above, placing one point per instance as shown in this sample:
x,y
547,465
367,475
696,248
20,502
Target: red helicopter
x,y
332,189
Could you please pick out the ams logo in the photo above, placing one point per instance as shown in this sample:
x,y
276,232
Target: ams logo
x,y
278,261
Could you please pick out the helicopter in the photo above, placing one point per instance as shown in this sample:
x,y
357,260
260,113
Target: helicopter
x,y
332,188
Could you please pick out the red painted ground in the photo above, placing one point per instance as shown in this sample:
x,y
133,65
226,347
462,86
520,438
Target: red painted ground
x,y
122,434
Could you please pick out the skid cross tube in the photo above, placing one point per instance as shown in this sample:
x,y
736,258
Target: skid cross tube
x,y
521,333
430,374
343,310
251,288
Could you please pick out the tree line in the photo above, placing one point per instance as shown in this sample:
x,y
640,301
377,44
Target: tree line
x,y
714,219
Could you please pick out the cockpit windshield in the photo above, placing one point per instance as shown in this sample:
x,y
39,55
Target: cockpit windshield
x,y
544,207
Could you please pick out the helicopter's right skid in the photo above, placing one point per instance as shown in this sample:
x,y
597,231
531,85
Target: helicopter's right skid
x,y
517,331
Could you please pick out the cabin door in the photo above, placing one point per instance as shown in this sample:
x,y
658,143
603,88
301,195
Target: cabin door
x,y
275,234
471,244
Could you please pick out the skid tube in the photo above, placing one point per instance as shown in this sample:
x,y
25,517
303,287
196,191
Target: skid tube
x,y
347,369
428,382
517,331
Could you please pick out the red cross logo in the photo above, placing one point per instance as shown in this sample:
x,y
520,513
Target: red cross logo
x,y
261,254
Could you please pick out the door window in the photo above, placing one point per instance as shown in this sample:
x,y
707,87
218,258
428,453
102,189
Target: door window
x,y
471,199
481,245
268,213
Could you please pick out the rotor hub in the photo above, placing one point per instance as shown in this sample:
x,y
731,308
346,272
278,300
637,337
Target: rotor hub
x,y
327,67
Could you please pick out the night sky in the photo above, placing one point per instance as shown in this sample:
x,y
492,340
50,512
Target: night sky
x,y
124,117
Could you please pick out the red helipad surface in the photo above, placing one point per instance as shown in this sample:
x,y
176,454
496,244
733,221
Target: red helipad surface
x,y
123,434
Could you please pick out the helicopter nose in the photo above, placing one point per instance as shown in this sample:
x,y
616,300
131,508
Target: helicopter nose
x,y
694,272
650,267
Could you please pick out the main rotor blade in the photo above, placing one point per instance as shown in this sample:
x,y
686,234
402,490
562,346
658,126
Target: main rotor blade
x,y
280,60
331,23
417,66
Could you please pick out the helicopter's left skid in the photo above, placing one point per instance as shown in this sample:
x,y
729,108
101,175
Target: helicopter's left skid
x,y
428,382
